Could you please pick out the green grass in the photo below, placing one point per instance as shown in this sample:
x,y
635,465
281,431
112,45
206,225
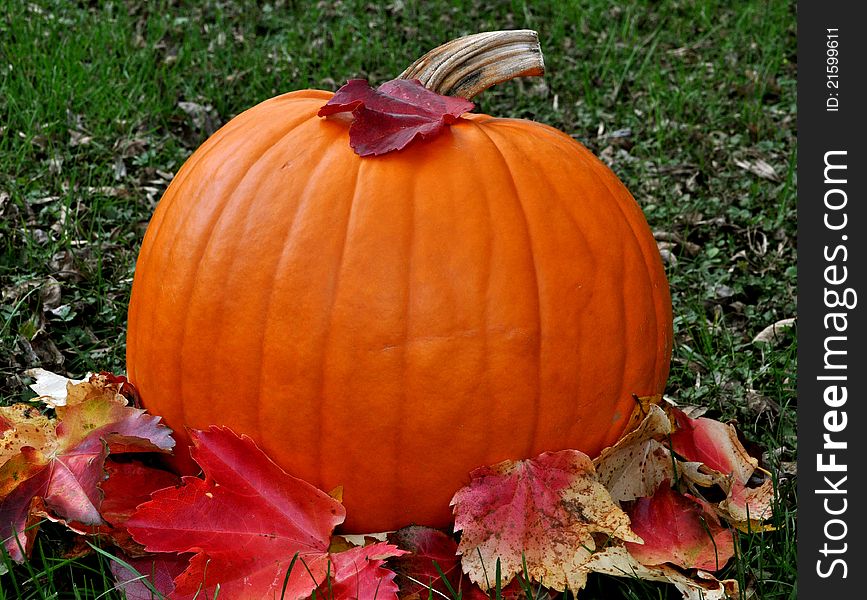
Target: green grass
x,y
672,94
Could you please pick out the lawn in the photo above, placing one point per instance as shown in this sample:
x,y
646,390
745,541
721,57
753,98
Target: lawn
x,y
692,104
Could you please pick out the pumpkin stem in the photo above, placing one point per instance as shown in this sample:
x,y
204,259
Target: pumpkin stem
x,y
469,65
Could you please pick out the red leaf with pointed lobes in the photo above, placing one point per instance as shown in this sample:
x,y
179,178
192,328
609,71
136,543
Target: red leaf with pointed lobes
x,y
359,574
544,510
681,530
394,114
244,522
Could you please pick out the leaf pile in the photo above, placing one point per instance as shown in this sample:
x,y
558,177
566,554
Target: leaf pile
x,y
663,504
53,467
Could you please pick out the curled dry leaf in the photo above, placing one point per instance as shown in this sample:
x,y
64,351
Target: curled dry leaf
x,y
774,332
617,561
727,462
760,168
543,511
636,465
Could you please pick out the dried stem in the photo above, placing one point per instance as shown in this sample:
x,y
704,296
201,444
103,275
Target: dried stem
x,y
467,66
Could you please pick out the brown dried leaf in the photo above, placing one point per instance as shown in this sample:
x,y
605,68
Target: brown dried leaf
x,y
759,168
636,465
618,562
774,332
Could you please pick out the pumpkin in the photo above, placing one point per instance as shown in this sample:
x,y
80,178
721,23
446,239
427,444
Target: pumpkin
x,y
387,324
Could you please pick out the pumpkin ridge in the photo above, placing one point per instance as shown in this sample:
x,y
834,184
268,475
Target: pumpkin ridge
x,y
305,196
593,166
651,262
486,316
578,231
230,200
504,167
326,336
398,417
177,182
179,408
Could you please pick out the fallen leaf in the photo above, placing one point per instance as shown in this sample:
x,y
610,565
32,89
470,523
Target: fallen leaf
x,y
359,574
426,549
679,529
160,571
774,332
128,484
617,561
391,116
636,465
713,443
431,555
759,168
727,463
244,523
540,512
22,425
51,388
18,523
747,507
204,117
58,463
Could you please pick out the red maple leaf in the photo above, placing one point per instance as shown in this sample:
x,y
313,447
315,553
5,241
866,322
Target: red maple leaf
x,y
128,485
679,529
391,116
359,574
251,526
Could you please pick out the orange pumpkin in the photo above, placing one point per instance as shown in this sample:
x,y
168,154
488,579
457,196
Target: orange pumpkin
x,y
388,324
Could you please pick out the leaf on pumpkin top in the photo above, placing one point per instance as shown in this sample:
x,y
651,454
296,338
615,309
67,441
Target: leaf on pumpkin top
x,y
59,462
679,529
617,561
717,446
636,465
544,510
245,522
391,116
